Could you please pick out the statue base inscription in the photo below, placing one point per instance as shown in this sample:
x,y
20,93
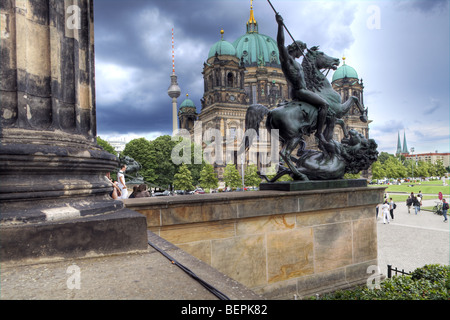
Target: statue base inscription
x,y
313,185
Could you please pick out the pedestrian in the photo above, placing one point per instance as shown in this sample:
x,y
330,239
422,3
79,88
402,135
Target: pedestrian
x,y
143,192
122,184
420,197
385,211
115,193
410,201
377,208
391,208
135,191
416,205
445,207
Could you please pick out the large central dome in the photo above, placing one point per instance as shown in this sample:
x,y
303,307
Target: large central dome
x,y
256,48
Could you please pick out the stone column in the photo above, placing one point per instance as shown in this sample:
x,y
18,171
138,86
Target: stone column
x,y
51,168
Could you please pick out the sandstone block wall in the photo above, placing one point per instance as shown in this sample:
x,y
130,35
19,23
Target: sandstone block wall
x,y
276,243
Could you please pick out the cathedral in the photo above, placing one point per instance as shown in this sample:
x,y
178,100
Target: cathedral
x,y
248,71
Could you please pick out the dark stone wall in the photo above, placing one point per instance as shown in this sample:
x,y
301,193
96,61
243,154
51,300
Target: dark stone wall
x,y
47,67
47,114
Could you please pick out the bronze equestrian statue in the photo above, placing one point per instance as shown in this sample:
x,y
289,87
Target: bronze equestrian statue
x,y
312,94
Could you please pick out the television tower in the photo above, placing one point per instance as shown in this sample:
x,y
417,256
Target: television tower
x,y
174,90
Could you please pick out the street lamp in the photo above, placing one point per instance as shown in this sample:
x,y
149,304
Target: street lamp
x,y
412,162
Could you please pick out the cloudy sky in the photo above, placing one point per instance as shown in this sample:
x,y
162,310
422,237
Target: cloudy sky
x,y
399,48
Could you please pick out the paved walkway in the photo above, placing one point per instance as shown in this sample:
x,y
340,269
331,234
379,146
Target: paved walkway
x,y
411,241
408,242
146,275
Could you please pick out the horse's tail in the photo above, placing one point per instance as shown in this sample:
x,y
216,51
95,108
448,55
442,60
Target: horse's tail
x,y
253,117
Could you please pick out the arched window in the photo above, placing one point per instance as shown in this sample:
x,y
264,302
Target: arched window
x,y
230,80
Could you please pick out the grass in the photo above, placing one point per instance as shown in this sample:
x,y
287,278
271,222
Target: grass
x,y
430,190
426,189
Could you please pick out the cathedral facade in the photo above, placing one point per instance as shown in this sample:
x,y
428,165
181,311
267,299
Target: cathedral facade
x,y
248,71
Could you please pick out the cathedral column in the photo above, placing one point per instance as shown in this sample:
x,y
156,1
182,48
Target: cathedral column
x,y
51,168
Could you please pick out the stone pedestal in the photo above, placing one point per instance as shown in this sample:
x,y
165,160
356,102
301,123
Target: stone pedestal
x,y
277,243
313,185
52,172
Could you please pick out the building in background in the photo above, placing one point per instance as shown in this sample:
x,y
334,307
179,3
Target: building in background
x,y
431,158
247,71
346,82
118,144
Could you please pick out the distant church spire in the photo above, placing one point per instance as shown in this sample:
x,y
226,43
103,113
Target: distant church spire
x,y
405,146
399,145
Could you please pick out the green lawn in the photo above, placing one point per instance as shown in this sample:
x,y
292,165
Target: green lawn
x,y
430,189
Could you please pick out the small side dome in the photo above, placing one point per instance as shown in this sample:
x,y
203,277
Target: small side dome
x,y
187,103
344,71
222,47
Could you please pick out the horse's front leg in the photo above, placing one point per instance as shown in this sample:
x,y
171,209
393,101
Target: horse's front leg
x,y
285,154
341,123
363,111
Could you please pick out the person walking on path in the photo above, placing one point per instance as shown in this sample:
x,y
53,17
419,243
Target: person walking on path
x,y
391,208
416,204
445,207
122,185
409,201
385,211
419,198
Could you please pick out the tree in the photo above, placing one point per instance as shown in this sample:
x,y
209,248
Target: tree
x,y
383,157
439,169
156,160
251,177
208,178
352,175
232,177
141,150
161,162
394,168
409,165
183,179
423,169
196,168
106,146
378,171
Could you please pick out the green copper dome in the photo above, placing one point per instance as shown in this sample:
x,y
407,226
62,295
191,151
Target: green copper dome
x,y
257,49
344,71
187,103
223,48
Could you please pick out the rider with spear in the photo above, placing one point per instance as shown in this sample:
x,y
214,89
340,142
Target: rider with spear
x,y
293,71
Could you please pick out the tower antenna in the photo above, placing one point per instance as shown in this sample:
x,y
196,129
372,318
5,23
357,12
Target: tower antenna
x,y
173,54
174,90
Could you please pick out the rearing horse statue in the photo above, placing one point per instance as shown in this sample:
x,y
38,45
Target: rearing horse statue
x,y
295,119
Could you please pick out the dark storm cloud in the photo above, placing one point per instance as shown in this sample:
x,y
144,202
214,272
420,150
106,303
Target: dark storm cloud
x,y
133,41
405,60
136,37
424,5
